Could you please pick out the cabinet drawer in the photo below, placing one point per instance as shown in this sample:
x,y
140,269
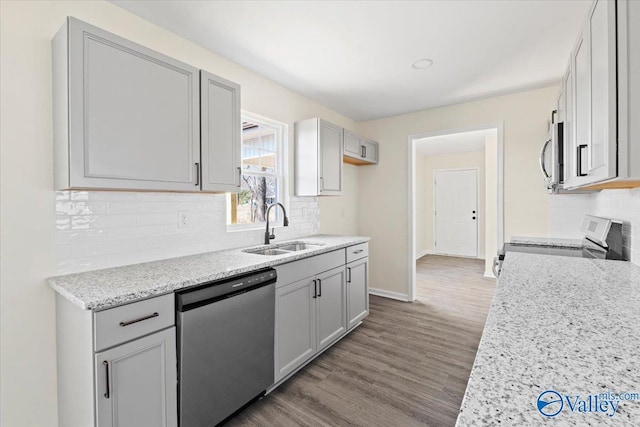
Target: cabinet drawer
x,y
130,321
357,252
307,267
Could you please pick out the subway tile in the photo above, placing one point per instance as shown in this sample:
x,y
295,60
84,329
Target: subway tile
x,y
81,208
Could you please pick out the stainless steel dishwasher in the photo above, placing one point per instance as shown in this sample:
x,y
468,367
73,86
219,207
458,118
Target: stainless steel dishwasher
x,y
225,346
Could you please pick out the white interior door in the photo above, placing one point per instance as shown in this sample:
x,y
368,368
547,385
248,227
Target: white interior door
x,y
456,212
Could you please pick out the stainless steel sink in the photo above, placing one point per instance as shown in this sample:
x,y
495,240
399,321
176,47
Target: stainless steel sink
x,y
283,249
268,252
295,247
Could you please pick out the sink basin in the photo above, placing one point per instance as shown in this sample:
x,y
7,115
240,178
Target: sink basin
x,y
295,247
283,249
269,252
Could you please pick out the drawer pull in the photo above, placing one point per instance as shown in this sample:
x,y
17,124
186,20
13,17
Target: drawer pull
x,y
358,251
131,322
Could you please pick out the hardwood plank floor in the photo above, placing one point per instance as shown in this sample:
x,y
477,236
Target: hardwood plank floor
x,y
406,365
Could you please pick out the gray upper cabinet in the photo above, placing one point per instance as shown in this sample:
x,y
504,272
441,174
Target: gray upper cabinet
x,y
600,148
352,144
358,150
220,131
318,158
125,117
136,383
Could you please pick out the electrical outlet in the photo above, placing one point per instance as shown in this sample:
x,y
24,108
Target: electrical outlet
x,y
183,219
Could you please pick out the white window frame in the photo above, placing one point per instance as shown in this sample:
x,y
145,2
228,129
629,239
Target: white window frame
x,y
282,166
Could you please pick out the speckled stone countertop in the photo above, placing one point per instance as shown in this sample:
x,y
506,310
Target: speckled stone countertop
x,y
547,241
99,289
556,323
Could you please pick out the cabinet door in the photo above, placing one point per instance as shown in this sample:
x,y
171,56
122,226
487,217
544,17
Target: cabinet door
x,y
220,129
567,118
581,108
133,115
603,144
330,157
295,334
331,306
136,383
352,145
370,151
357,291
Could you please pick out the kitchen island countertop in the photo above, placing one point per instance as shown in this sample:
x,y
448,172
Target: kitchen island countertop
x,y
571,325
100,289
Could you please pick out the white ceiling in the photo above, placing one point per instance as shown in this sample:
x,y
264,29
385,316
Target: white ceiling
x,y
355,56
453,143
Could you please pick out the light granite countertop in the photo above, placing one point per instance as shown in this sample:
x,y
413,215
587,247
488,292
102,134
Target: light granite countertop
x,y
100,289
571,325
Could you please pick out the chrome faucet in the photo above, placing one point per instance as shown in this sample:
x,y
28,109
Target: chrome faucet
x,y
269,236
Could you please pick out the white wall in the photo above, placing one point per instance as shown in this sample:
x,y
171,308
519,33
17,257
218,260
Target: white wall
x,y
568,210
27,215
384,189
425,167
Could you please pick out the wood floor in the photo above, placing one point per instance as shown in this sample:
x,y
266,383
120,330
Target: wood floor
x,y
406,365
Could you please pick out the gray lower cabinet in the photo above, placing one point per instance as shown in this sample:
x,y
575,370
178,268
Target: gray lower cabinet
x,y
117,367
331,302
316,306
310,315
125,117
295,326
136,383
357,291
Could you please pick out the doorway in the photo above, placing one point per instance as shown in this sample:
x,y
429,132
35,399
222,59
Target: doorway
x,y
455,214
489,154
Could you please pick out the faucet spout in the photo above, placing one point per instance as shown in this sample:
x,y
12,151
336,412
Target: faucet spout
x,y
269,236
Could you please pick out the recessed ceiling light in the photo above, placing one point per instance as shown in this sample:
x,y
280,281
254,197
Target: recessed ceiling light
x,y
421,64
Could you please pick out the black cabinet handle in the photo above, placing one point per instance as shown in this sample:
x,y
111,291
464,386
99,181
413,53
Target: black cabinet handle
x,y
131,322
349,275
106,366
197,174
319,288
239,176
315,288
473,217
579,162
365,151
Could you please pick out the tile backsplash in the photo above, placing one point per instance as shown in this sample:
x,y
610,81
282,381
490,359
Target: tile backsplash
x,y
568,211
100,229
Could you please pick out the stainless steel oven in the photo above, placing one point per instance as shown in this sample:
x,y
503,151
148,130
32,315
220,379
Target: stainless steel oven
x,y
602,239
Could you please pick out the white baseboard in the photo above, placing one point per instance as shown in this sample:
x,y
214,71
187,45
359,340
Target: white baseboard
x,y
489,274
389,294
423,253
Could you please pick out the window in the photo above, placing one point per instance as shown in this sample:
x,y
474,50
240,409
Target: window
x,y
262,172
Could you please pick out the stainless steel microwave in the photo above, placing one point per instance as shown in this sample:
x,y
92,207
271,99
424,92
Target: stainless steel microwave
x,y
552,156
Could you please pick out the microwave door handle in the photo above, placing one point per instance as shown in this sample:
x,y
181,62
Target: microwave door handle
x,y
542,153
